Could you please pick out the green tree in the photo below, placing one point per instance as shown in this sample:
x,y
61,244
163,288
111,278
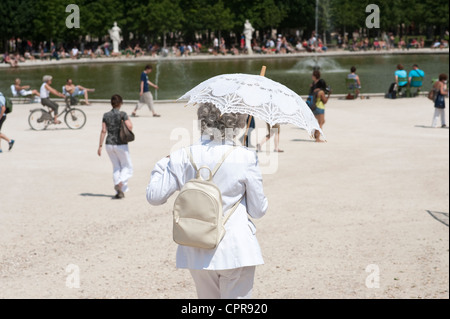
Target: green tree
x,y
264,15
44,20
206,16
49,19
392,15
97,17
166,16
15,25
349,15
300,15
435,16
194,13
218,18
137,18
325,24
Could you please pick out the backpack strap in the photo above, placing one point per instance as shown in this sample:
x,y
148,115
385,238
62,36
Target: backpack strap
x,y
191,158
214,171
235,206
224,157
233,209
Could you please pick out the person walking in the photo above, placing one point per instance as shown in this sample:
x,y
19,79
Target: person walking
x,y
145,94
2,120
245,140
440,88
45,91
272,131
117,150
228,271
318,88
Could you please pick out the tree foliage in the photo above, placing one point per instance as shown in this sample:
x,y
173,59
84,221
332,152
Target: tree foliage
x,y
44,20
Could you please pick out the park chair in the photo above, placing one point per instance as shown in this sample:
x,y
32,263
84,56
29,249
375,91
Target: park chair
x,y
351,85
434,81
405,86
22,98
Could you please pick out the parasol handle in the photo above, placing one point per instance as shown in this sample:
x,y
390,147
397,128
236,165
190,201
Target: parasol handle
x,y
263,73
263,70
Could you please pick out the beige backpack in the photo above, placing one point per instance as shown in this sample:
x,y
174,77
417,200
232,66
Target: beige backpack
x,y
198,219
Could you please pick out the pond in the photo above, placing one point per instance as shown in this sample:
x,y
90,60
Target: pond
x,y
176,77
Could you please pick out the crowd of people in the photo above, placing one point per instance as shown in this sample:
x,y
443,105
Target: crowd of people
x,y
20,51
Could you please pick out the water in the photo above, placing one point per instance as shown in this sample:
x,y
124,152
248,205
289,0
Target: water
x,y
158,66
175,77
329,65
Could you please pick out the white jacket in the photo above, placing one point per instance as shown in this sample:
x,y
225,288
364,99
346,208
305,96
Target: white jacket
x,y
239,174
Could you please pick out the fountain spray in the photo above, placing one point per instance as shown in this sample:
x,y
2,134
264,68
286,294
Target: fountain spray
x,y
157,78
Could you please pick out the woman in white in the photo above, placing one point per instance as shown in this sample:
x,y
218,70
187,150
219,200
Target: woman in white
x,y
228,271
117,149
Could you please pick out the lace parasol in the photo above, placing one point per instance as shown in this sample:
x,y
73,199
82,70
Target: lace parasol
x,y
257,96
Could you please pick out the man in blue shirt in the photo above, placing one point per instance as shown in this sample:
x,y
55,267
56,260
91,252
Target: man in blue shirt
x,y
415,73
2,120
145,94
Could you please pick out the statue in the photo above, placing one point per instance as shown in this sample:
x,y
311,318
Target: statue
x,y
114,34
248,33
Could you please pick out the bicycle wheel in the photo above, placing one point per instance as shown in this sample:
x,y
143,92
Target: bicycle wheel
x,y
39,119
75,119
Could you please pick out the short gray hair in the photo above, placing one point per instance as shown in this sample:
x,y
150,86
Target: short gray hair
x,y
47,78
217,125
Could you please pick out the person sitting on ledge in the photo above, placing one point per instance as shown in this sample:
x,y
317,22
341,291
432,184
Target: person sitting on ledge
x,y
23,90
353,82
415,78
11,61
75,90
401,77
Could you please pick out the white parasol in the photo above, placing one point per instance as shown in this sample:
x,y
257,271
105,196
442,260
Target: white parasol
x,y
257,96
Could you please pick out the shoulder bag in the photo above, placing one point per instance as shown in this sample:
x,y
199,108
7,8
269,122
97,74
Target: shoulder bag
x,y
126,135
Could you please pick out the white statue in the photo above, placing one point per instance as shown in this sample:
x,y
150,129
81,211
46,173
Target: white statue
x,y
248,33
114,34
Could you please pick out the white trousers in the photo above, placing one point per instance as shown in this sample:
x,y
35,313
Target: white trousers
x,y
122,166
146,98
224,284
438,112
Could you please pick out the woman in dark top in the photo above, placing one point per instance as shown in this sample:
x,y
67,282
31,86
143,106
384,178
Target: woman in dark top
x,y
117,150
440,87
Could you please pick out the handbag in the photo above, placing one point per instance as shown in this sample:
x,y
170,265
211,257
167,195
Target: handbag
x,y
432,94
125,134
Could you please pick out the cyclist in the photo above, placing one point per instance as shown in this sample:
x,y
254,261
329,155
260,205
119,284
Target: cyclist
x,y
45,91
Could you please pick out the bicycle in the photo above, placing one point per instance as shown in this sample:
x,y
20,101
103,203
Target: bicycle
x,y
40,119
